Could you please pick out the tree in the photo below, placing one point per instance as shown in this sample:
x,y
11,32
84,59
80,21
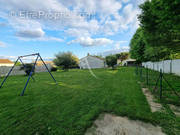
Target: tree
x,y
156,53
160,23
158,37
175,56
18,63
111,61
76,62
138,46
142,51
66,60
122,56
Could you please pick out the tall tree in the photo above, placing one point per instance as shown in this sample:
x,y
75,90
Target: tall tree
x,y
142,51
160,22
137,45
156,53
66,60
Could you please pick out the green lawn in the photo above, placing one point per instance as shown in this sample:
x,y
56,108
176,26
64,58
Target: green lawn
x,y
70,107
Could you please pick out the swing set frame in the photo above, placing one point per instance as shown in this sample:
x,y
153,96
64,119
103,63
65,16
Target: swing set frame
x,y
33,68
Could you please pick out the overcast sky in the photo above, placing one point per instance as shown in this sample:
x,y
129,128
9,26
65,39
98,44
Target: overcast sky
x,y
79,26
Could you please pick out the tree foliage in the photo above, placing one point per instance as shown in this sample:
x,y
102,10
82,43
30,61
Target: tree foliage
x,y
160,23
122,56
111,60
158,37
66,60
142,51
138,46
18,64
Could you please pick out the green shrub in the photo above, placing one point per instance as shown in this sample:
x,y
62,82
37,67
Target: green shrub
x,y
28,68
54,69
66,60
111,61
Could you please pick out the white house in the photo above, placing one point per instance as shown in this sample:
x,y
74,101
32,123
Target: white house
x,y
6,62
129,62
92,62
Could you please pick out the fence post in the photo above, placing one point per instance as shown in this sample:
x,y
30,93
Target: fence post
x,y
136,69
171,67
147,76
153,65
141,73
161,75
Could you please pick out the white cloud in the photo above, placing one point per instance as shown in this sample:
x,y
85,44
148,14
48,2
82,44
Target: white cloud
x,y
13,58
125,1
125,48
116,51
123,17
77,32
29,59
118,44
119,47
87,41
2,44
44,38
37,33
105,7
2,24
130,14
48,38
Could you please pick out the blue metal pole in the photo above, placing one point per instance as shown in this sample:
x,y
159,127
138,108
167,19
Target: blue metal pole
x,y
29,76
47,69
25,67
9,73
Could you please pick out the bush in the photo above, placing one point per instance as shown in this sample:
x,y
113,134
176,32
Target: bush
x,y
28,68
111,61
53,69
66,60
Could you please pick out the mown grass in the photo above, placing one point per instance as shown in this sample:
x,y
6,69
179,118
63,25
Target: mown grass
x,y
70,107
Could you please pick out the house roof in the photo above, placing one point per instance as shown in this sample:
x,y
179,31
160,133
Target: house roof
x,y
129,60
94,57
7,61
40,63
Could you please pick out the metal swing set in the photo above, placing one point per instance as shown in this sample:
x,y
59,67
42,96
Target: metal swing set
x,y
33,68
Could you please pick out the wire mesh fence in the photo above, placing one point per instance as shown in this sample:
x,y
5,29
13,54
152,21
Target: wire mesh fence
x,y
165,87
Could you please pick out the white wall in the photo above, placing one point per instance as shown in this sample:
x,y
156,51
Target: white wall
x,y
91,62
6,64
167,66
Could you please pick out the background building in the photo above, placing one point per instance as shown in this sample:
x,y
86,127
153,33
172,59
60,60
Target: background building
x,y
92,62
6,62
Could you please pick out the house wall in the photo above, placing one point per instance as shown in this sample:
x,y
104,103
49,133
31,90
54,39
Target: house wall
x,y
118,61
6,64
91,62
130,63
167,66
